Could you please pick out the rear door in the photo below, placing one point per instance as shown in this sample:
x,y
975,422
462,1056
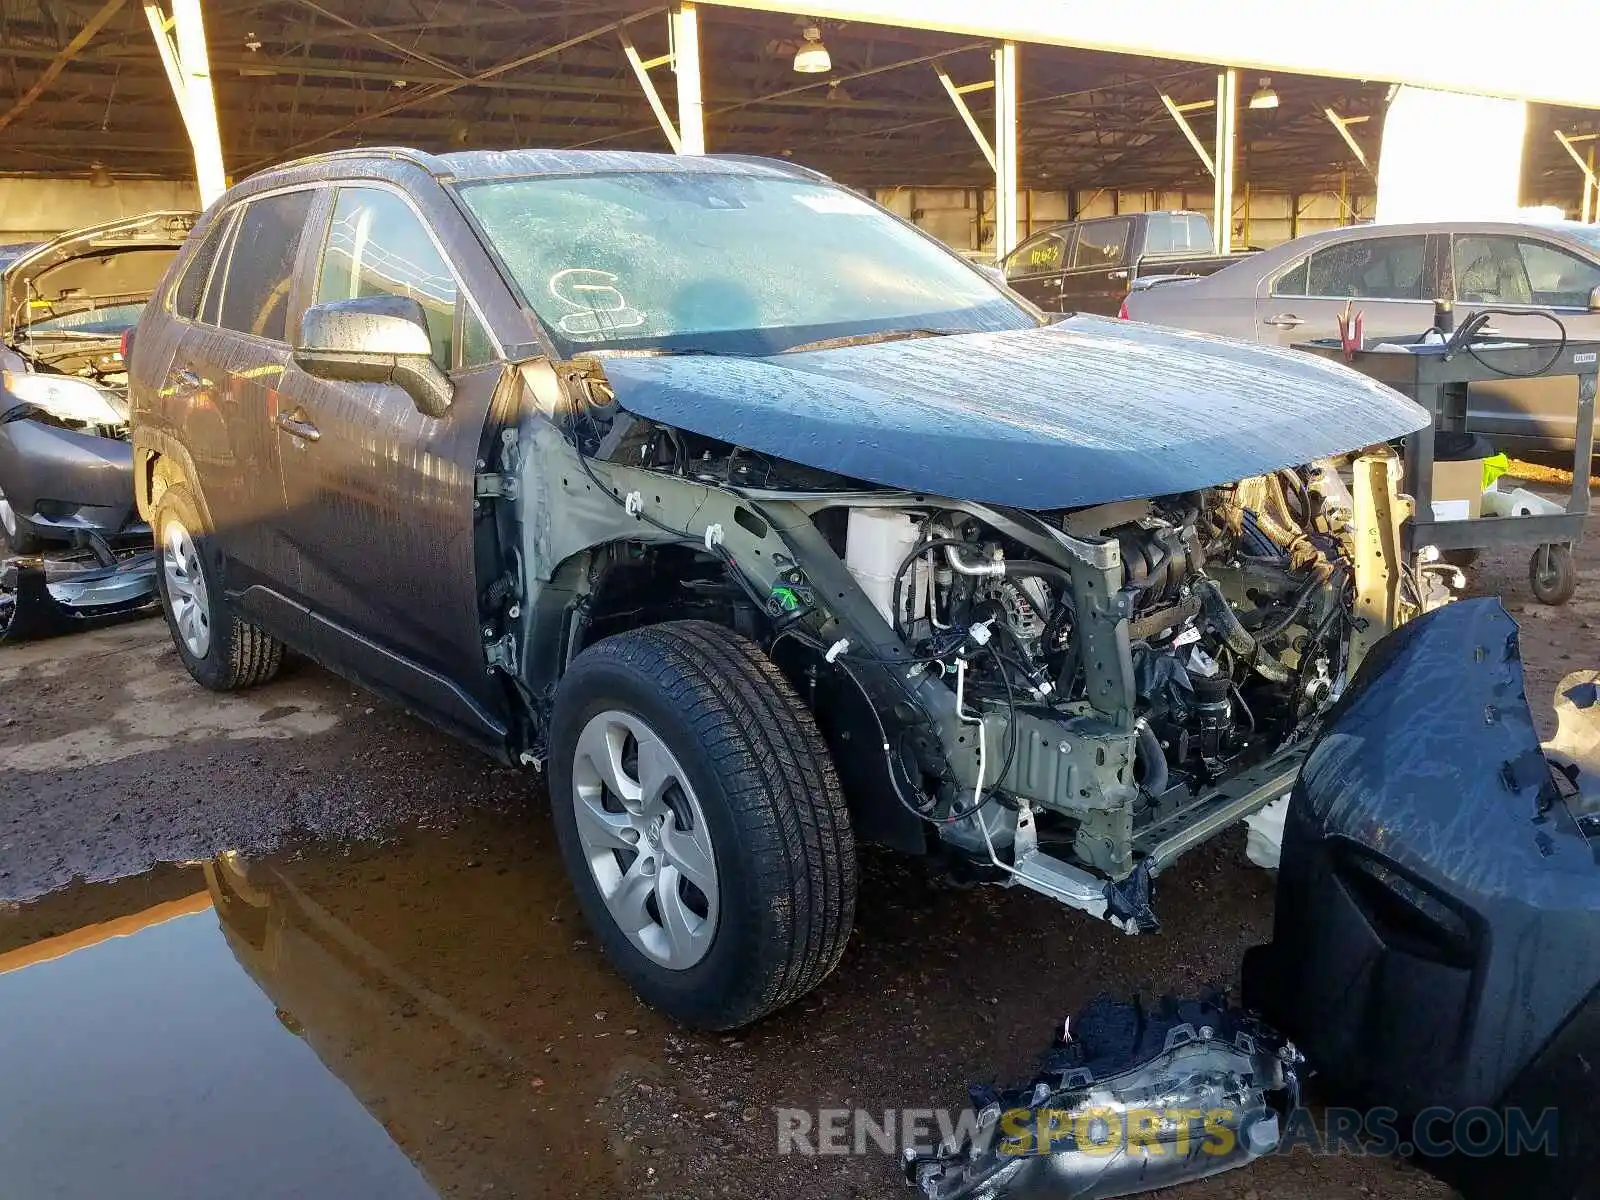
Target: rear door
x,y
381,497
1097,273
1034,268
1388,278
223,393
1525,275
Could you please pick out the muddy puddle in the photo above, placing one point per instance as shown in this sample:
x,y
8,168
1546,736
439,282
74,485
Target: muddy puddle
x,y
402,1020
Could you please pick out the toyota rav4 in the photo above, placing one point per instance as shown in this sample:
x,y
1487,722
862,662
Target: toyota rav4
x,y
764,525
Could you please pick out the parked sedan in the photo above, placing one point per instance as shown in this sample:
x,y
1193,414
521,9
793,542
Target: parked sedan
x,y
1393,274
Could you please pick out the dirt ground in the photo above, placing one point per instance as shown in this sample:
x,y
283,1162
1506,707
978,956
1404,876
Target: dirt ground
x,y
462,1001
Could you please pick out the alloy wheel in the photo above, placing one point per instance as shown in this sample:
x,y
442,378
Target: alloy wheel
x,y
645,838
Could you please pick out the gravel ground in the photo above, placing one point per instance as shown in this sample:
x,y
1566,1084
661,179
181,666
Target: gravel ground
x,y
493,1044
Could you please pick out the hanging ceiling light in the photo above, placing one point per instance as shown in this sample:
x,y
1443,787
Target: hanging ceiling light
x,y
812,58
1264,96
100,177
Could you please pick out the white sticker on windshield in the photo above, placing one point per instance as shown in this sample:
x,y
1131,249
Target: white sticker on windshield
x,y
834,202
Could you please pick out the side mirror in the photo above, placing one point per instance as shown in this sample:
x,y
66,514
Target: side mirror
x,y
1594,300
374,339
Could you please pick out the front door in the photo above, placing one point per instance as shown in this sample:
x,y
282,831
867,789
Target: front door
x,y
1386,278
1525,276
380,496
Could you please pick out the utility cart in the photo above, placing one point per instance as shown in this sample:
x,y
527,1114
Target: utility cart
x,y
1436,375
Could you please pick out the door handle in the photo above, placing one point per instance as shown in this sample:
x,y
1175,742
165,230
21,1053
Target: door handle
x,y
297,427
1284,321
1117,274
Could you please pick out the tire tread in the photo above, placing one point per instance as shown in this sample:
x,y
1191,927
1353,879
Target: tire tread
x,y
780,780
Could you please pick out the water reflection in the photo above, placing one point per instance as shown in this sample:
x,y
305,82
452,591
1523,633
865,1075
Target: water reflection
x,y
407,1016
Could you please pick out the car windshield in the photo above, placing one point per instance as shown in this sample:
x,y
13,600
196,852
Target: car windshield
x,y
698,261
1589,235
111,320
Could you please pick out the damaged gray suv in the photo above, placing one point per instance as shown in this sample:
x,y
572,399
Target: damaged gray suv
x,y
765,525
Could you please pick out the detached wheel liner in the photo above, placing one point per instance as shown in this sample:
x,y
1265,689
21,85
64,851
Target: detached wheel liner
x,y
754,764
219,650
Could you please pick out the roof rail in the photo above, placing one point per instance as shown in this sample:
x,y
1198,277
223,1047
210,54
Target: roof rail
x,y
431,163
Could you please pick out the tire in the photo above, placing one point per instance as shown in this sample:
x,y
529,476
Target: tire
x,y
757,789
18,538
1552,574
221,651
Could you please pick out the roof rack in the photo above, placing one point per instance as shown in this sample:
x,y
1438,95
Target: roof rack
x,y
431,163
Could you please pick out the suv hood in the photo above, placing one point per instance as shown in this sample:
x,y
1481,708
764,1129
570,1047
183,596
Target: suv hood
x,y
120,259
1082,412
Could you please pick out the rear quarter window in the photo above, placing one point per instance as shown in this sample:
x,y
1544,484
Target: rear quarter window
x,y
1293,281
192,284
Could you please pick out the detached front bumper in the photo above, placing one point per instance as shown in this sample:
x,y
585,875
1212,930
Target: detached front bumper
x,y
1125,1102
45,597
1436,943
62,482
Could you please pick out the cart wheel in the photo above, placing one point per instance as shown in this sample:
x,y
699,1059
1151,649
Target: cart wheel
x,y
1552,573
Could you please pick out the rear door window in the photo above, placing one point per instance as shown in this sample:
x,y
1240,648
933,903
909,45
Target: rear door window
x,y
1378,268
1040,256
378,246
1101,244
255,294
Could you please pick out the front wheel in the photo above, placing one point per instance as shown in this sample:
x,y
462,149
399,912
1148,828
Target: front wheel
x,y
702,822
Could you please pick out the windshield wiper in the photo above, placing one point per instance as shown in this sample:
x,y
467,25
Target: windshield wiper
x,y
867,339
658,352
78,335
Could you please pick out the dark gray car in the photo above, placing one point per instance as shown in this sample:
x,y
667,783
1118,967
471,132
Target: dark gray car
x,y
765,523
1392,274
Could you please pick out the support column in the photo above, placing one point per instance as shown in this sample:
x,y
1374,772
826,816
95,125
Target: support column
x,y
181,41
1005,149
685,26
1591,182
1223,158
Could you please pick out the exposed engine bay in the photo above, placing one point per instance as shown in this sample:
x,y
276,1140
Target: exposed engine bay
x,y
1239,604
1065,698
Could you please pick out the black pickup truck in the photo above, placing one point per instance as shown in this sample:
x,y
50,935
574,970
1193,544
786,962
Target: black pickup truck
x,y
1088,266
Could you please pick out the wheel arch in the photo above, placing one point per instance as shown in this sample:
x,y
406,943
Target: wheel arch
x,y
157,454
593,594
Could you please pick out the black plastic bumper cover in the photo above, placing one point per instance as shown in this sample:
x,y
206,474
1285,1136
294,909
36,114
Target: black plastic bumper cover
x,y
1437,935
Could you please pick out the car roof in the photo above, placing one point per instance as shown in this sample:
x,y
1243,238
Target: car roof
x,y
1559,228
475,165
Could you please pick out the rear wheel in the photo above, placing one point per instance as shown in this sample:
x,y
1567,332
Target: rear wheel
x,y
702,822
221,651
